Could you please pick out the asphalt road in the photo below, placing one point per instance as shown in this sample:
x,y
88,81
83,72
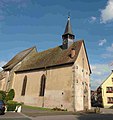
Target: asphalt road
x,y
19,116
77,117
106,114
14,116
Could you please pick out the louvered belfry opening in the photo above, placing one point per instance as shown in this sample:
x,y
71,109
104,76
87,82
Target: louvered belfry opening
x,y
42,85
24,86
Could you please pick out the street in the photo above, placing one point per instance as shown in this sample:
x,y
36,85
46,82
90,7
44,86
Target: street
x,y
14,116
77,117
106,114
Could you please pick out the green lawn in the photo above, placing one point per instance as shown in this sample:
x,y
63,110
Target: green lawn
x,y
36,108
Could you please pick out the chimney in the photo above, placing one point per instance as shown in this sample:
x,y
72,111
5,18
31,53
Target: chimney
x,y
72,53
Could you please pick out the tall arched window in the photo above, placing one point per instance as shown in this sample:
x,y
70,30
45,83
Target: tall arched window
x,y
42,85
24,86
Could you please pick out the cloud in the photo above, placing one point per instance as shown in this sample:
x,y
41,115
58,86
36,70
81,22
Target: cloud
x,y
102,42
99,73
110,48
100,69
95,83
108,53
6,5
92,19
107,13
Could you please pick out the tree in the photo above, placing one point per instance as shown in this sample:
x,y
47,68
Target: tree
x,y
2,95
10,95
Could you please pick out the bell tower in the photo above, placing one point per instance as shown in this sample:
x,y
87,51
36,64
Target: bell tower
x,y
68,36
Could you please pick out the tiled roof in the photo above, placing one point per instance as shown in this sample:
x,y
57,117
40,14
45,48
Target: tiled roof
x,y
16,59
51,57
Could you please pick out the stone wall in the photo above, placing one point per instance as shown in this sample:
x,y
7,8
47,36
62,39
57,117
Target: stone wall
x,y
16,67
58,92
82,81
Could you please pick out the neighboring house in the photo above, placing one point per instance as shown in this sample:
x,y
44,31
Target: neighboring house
x,y
93,98
57,77
105,92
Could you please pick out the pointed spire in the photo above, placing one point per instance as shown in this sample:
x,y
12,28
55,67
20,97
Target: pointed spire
x,y
68,36
68,29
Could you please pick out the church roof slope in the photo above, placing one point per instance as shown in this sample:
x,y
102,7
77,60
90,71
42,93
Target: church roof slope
x,y
16,59
51,57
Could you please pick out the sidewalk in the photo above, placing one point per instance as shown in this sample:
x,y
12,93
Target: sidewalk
x,y
106,111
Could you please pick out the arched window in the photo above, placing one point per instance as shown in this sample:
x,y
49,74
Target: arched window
x,y
42,85
24,86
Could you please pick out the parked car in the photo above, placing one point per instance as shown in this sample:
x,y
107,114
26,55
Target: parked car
x,y
2,107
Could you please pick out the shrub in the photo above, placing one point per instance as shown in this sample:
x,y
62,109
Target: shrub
x,y
10,95
2,95
59,109
11,105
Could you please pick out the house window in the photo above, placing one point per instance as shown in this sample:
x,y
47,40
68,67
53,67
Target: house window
x,y
42,85
110,100
109,89
24,86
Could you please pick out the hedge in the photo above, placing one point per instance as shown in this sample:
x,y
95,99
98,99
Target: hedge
x,y
11,105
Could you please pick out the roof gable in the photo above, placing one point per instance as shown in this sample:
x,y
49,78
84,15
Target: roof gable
x,y
17,58
83,55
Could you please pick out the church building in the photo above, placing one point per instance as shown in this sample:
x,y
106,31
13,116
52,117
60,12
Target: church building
x,y
57,77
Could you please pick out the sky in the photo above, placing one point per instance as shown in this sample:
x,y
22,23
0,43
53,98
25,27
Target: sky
x,y
41,23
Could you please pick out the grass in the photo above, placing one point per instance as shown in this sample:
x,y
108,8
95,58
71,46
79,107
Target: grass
x,y
42,111
36,108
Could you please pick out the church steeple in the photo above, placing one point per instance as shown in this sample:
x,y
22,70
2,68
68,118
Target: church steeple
x,y
68,36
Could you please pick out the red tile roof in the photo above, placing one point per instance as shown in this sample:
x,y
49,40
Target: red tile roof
x,y
51,57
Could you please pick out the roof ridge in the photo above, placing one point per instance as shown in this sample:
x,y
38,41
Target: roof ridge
x,y
27,49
